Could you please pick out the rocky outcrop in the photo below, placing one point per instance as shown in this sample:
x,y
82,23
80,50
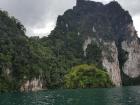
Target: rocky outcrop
x,y
86,43
116,30
32,85
112,32
110,62
109,58
132,64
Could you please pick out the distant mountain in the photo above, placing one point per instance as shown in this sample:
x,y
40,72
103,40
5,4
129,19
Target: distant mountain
x,y
89,34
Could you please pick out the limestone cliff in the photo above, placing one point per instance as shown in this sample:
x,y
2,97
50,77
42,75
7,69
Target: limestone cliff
x,y
108,28
111,63
132,65
89,33
32,85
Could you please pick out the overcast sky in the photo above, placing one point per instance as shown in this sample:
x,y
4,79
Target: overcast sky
x,y
39,16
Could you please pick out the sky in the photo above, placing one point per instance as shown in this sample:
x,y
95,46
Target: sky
x,y
39,16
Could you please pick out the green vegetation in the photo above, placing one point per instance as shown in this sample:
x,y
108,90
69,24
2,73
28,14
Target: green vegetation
x,y
59,59
21,58
94,55
48,58
87,76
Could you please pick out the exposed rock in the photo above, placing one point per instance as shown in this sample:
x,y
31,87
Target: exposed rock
x,y
32,85
111,63
131,30
110,27
132,65
93,29
78,33
86,43
109,58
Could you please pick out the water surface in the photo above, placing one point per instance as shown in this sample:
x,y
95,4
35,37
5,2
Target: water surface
x,y
98,96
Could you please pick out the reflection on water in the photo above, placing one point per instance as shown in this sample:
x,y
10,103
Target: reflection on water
x,y
108,96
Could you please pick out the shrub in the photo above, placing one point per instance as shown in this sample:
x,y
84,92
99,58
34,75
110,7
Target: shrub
x,y
87,76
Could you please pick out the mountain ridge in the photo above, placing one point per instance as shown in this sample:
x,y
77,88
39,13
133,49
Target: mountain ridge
x,y
107,22
89,34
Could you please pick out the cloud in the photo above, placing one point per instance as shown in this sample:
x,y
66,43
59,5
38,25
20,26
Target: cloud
x,y
39,16
132,5
44,30
136,19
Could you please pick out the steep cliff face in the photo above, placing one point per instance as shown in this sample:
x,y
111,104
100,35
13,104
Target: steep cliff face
x,y
132,47
111,63
132,64
109,58
108,28
90,33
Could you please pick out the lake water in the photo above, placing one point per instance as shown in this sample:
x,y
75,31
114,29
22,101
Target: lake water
x,y
107,96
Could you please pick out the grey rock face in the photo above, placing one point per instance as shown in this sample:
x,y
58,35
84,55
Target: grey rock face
x,y
32,85
111,63
132,65
111,28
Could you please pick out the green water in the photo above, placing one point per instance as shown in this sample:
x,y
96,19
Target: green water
x,y
113,96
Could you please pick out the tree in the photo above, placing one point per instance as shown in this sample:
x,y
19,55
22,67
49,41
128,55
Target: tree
x,y
87,76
